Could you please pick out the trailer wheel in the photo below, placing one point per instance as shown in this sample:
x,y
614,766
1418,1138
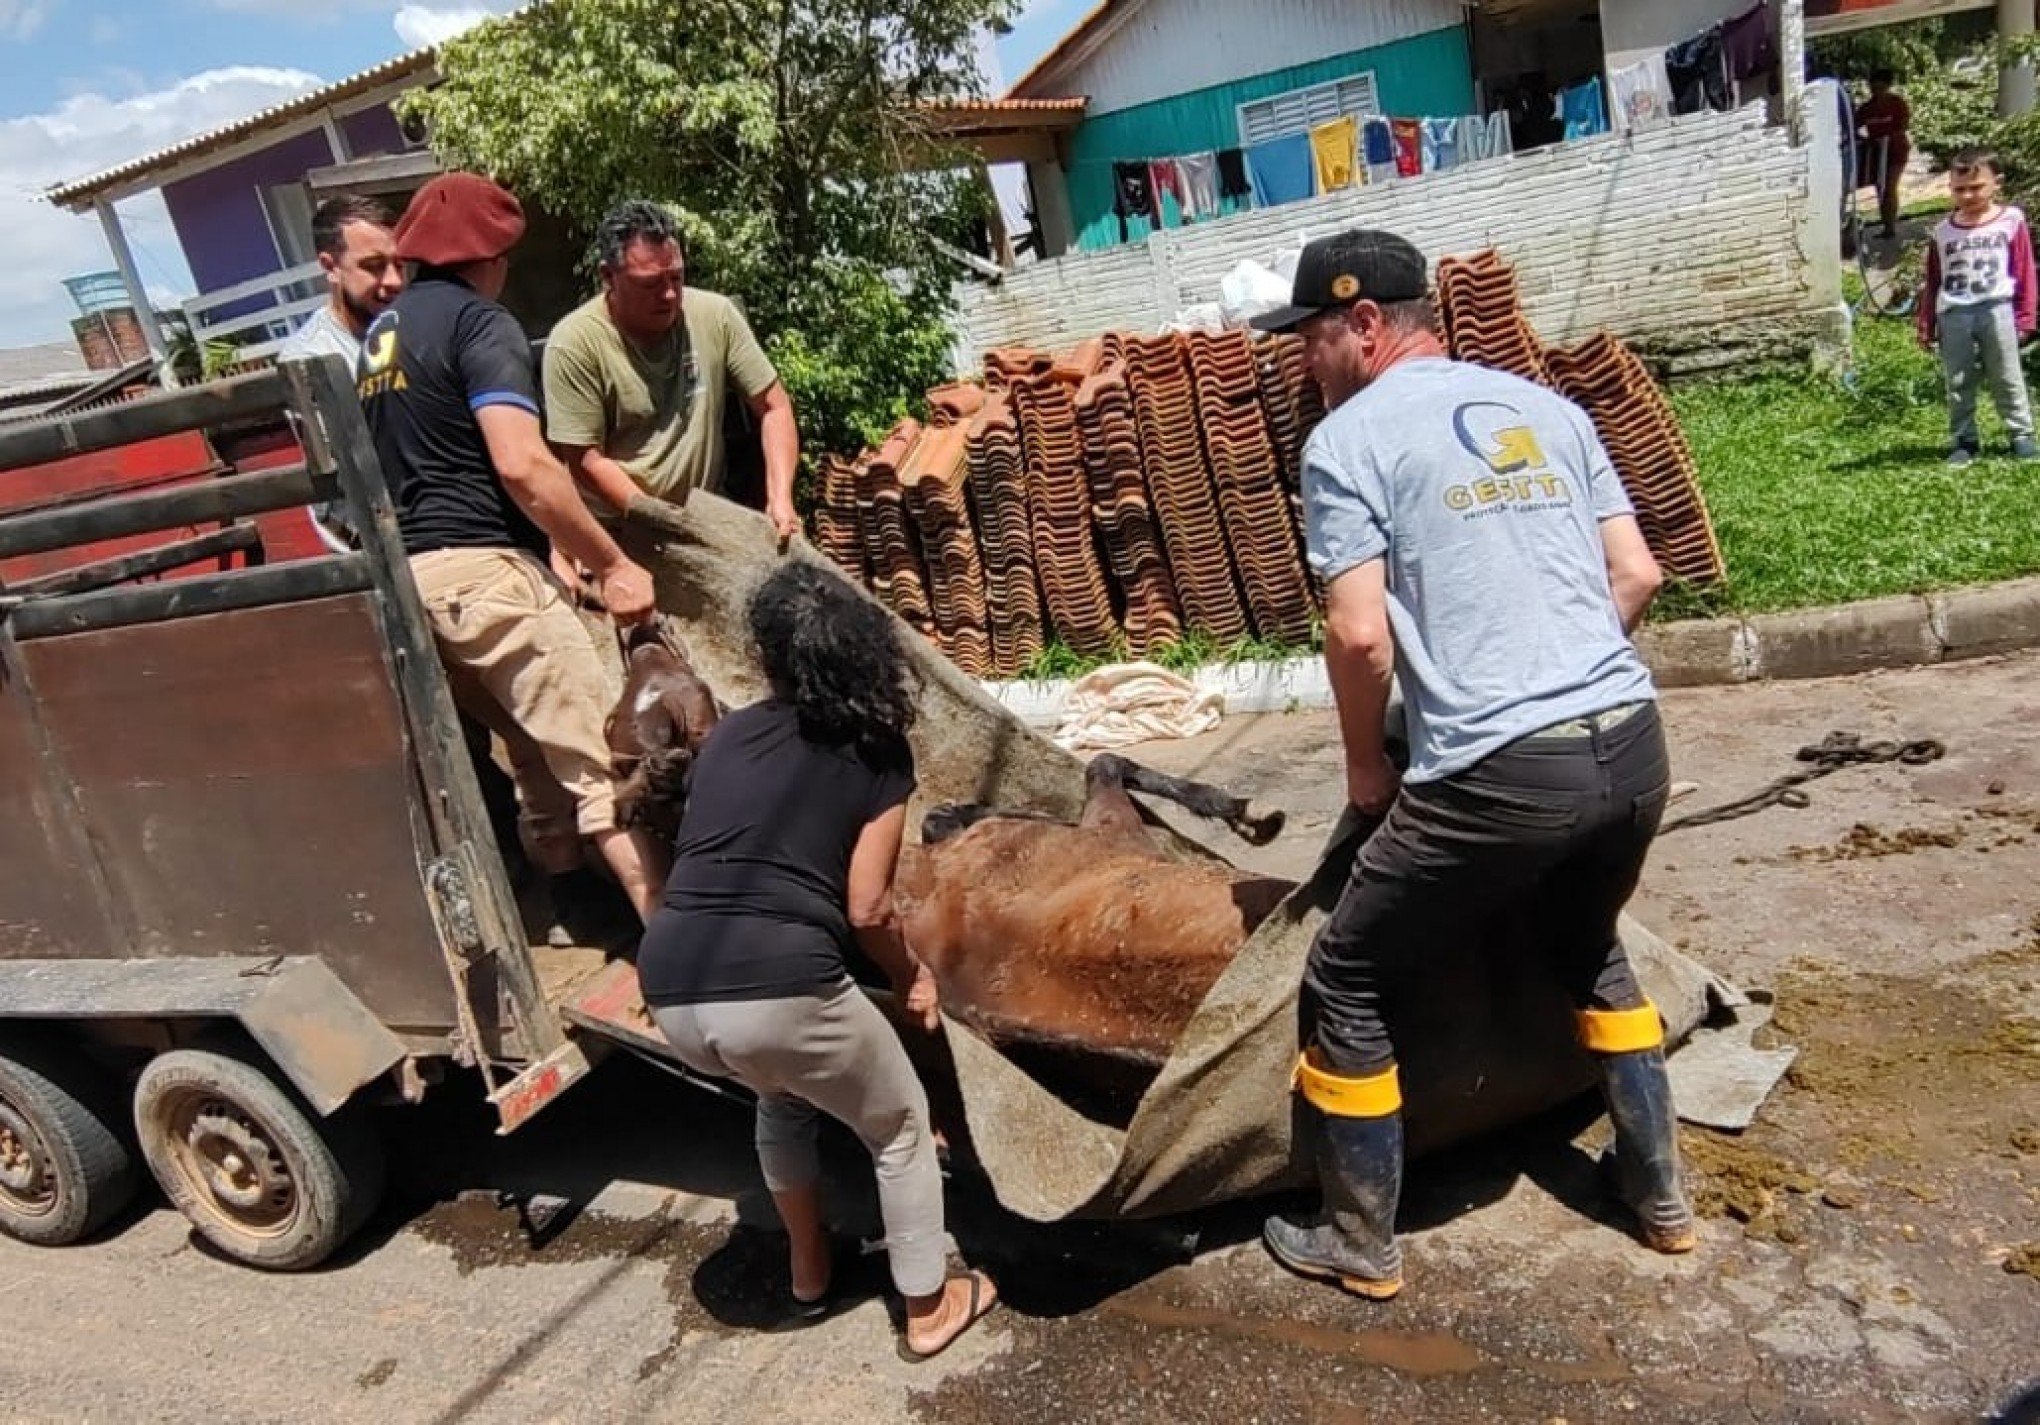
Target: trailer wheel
x,y
260,1176
63,1167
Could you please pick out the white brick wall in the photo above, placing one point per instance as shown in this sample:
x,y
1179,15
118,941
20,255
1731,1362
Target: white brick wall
x,y
1705,223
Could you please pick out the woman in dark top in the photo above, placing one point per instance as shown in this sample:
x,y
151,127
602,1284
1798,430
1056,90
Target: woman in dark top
x,y
796,809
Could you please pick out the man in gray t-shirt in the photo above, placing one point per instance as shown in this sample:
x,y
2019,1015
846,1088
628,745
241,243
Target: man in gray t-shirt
x,y
1475,543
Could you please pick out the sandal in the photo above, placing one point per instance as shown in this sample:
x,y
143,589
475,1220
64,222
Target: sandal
x,y
979,1310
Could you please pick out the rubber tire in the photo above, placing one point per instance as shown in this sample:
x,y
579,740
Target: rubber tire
x,y
77,1115
337,1162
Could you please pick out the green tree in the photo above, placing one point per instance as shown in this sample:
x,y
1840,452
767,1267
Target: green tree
x,y
790,136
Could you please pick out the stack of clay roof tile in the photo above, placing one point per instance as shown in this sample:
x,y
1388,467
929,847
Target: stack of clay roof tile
x,y
838,530
998,486
1006,364
1120,509
1290,396
1642,435
1179,485
1258,519
897,574
955,403
933,477
1059,504
1483,318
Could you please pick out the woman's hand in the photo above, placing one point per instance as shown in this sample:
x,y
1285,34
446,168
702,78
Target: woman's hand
x,y
923,1001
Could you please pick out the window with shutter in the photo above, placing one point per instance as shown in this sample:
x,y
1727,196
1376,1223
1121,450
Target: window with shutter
x,y
1298,110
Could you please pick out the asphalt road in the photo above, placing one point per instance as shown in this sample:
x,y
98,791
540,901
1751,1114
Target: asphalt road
x,y
1857,1263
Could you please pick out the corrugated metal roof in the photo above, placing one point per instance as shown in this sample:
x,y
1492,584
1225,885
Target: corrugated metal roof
x,y
79,193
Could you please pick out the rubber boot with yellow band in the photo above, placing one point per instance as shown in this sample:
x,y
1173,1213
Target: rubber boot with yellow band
x,y
1359,1163
1644,1162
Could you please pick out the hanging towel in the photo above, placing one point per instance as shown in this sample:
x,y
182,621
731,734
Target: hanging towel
x,y
1501,138
1441,145
1199,172
1133,194
1232,175
1377,149
1165,178
1641,94
1281,170
1699,78
1746,45
1409,146
1332,150
1581,108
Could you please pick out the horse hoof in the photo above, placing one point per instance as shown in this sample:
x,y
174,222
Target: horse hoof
x,y
1258,825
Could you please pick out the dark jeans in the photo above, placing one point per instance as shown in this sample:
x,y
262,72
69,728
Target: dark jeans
x,y
1555,826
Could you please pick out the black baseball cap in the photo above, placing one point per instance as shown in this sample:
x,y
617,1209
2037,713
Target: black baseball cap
x,y
1347,267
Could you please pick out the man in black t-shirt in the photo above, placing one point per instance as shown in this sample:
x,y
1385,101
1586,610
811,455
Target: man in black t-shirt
x,y
447,384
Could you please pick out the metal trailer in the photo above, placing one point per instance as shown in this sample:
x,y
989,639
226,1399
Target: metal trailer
x,y
248,887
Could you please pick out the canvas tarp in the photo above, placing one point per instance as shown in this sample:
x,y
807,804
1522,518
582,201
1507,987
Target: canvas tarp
x,y
1493,1044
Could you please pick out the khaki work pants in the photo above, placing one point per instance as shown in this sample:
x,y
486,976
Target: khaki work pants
x,y
521,663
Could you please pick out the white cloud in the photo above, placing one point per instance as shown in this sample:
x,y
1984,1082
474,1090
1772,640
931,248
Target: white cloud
x,y
81,136
20,19
422,25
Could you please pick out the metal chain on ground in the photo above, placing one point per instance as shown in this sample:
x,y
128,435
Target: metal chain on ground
x,y
1832,753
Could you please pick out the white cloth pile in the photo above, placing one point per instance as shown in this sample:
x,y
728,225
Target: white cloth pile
x,y
1125,703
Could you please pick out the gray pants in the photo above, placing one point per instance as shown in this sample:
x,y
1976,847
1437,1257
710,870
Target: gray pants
x,y
1982,344
832,1053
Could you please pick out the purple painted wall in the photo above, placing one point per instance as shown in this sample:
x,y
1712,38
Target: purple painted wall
x,y
372,132
218,214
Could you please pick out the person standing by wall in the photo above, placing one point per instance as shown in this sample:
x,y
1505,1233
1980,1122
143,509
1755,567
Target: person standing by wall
x,y
636,378
1475,541
447,385
1978,303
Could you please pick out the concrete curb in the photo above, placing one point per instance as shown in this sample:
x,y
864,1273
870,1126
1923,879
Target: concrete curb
x,y
1901,632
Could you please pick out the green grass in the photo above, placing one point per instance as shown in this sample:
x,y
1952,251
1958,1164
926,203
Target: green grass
x,y
1195,649
1823,492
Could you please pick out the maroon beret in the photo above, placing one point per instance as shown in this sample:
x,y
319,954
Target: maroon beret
x,y
458,218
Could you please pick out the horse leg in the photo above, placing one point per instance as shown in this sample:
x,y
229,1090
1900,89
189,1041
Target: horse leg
x,y
1255,824
942,822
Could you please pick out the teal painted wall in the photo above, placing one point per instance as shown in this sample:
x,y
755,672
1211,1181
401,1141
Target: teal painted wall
x,y
1428,74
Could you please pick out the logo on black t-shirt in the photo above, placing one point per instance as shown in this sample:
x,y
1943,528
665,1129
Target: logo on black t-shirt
x,y
378,371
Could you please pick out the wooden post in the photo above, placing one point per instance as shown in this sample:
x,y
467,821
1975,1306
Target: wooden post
x,y
131,278
2015,82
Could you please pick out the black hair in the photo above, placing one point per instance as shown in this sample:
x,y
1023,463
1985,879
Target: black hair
x,y
1969,160
330,220
636,220
834,656
1883,76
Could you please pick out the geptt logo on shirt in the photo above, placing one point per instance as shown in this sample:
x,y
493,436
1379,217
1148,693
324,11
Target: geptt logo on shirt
x,y
1496,435
1505,449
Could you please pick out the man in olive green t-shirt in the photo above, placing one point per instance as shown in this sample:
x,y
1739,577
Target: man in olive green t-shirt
x,y
636,378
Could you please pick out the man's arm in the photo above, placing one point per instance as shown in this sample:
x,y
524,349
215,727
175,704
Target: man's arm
x,y
780,435
1360,661
597,472
1633,574
543,490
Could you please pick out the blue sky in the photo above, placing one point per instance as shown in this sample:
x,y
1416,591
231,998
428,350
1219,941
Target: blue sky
x,y
86,84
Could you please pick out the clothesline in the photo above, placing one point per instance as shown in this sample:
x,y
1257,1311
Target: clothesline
x,y
1705,71
1353,150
